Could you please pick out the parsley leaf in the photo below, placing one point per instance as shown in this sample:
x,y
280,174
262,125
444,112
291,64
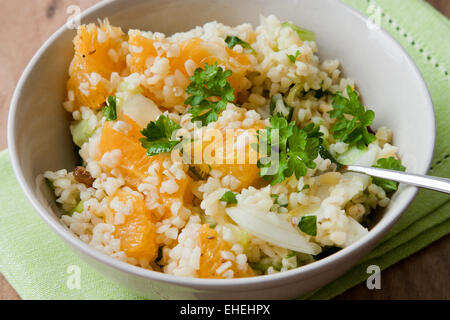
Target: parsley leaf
x,y
198,174
325,154
392,164
233,40
353,131
229,197
207,83
160,255
109,111
305,187
276,200
308,224
158,135
319,93
293,58
292,150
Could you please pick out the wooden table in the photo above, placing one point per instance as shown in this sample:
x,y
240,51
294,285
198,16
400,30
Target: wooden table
x,y
26,26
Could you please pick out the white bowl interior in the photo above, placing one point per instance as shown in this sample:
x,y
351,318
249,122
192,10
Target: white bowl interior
x,y
389,83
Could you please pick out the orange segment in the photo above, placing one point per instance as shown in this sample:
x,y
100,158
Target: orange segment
x,y
138,233
202,52
134,162
184,193
245,158
196,50
211,244
142,54
248,174
138,60
240,162
97,50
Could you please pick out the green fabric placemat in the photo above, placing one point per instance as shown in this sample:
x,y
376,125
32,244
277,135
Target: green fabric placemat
x,y
35,260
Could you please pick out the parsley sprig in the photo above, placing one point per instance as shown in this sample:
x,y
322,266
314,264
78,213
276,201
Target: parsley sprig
x,y
229,197
352,120
295,149
207,85
158,136
308,224
109,110
292,58
392,164
231,41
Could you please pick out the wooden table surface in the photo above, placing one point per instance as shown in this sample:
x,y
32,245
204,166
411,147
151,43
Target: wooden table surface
x,y
25,27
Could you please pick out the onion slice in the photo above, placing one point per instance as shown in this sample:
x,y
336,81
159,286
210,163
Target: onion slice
x,y
141,109
273,229
356,231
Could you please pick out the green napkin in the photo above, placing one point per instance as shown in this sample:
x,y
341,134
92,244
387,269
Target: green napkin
x,y
35,260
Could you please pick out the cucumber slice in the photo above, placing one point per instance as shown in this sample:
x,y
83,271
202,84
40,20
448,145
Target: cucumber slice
x,y
78,208
368,158
81,132
351,155
359,157
303,34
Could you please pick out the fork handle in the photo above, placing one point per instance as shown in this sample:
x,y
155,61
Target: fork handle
x,y
423,181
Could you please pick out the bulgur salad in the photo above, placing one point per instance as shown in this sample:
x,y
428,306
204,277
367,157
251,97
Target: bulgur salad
x,y
215,153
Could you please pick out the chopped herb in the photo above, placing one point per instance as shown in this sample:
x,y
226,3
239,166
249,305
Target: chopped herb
x,y
158,136
160,255
276,199
291,254
260,266
207,83
233,40
50,184
303,34
293,58
109,110
308,224
325,154
208,220
353,131
392,164
305,187
319,93
229,197
197,174
296,149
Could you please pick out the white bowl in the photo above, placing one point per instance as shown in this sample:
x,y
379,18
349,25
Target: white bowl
x,y
389,82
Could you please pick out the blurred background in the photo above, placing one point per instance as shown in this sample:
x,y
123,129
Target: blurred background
x,y
26,24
